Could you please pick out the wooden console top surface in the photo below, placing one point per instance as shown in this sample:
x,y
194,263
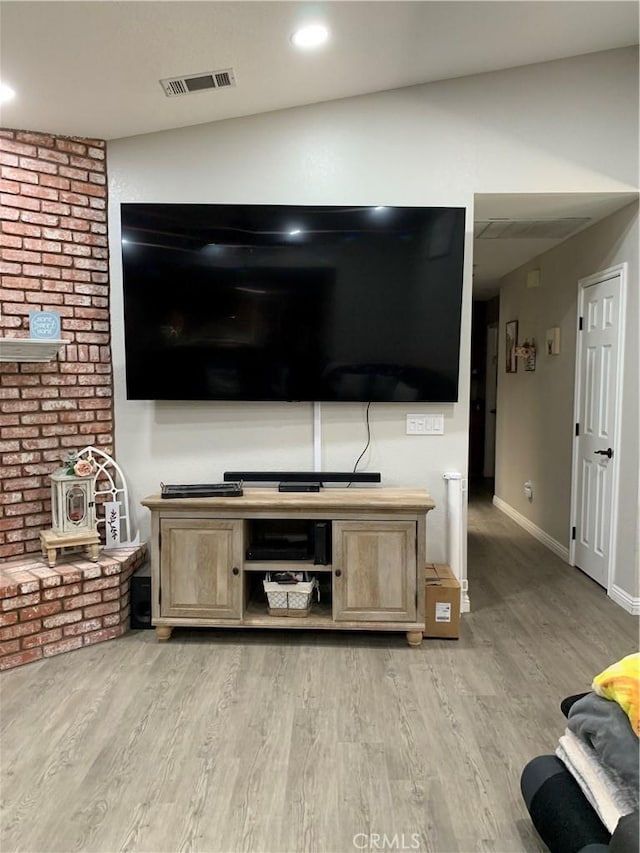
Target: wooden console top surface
x,y
256,499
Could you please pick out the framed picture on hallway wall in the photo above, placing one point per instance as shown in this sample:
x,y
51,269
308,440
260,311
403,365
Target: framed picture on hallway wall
x,y
511,343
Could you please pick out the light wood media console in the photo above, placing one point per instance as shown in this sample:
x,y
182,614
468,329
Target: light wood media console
x,y
373,581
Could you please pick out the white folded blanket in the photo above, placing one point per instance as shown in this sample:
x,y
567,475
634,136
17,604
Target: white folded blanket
x,y
611,799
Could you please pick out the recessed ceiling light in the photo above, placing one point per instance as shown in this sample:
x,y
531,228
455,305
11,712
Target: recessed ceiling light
x,y
6,93
311,36
295,231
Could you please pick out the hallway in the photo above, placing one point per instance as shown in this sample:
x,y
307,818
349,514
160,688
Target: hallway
x,y
559,626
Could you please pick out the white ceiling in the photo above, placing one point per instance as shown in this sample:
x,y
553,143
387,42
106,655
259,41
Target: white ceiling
x,y
93,68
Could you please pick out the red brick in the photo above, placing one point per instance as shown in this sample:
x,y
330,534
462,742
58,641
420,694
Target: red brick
x,y
63,591
53,156
22,482
19,601
48,194
104,634
12,187
55,181
40,610
9,647
101,609
9,213
39,218
25,628
23,508
111,594
62,619
71,146
25,587
10,241
8,159
41,639
41,271
88,189
21,256
22,229
100,583
38,165
21,658
72,172
23,283
74,223
21,202
35,138
82,627
82,601
62,646
55,207
8,618
17,147
74,198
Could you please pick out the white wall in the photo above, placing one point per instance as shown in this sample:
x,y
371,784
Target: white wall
x,y
542,128
535,420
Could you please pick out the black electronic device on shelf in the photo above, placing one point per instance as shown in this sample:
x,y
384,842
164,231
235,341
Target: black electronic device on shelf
x,y
201,490
290,540
303,478
299,487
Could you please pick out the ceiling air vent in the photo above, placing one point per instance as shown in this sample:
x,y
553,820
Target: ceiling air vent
x,y
528,229
192,83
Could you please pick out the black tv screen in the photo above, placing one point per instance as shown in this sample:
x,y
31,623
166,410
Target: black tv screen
x,y
278,302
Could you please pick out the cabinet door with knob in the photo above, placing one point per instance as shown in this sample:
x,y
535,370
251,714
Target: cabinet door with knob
x,y
374,577
200,568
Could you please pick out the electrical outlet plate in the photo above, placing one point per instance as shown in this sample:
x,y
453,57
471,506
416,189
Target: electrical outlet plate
x,y
425,424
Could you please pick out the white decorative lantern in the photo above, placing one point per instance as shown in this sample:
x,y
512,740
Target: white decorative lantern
x,y
73,509
72,504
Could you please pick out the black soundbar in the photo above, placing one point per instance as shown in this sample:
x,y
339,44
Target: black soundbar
x,y
303,476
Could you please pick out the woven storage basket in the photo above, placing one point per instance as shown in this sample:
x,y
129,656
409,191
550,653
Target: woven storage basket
x,y
287,599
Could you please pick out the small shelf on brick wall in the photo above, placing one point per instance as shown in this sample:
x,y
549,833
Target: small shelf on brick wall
x,y
29,349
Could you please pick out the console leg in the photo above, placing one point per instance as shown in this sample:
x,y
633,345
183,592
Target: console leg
x,y
163,632
414,639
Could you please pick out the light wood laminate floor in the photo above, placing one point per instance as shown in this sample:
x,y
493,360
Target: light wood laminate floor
x,y
301,741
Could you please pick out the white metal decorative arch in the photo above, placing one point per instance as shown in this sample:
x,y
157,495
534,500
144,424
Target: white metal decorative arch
x,y
109,481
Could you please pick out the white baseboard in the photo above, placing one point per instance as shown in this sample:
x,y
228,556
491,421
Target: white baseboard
x,y
628,602
532,528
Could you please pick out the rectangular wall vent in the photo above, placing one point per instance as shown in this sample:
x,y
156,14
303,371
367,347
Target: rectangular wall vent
x,y
192,83
527,229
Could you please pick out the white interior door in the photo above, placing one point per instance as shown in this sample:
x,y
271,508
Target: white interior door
x,y
491,385
595,466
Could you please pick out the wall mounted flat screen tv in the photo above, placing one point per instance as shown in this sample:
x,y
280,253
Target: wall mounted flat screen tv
x,y
286,303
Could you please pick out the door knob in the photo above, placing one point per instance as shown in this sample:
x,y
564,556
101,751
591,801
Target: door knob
x,y
338,572
608,452
235,570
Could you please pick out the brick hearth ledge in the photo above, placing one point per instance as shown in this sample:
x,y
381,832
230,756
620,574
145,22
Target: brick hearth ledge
x,y
47,611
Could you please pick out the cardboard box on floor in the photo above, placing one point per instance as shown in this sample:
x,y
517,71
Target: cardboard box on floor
x,y
441,602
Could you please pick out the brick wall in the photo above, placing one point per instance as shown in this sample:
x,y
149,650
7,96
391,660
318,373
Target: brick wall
x,y
53,256
46,611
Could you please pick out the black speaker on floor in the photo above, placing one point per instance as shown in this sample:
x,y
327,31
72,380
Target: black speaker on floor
x,y
140,598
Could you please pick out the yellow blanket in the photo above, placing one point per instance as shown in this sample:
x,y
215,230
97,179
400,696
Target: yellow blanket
x,y
620,682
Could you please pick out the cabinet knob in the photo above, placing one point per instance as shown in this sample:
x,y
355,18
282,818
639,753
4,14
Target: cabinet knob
x,y
338,572
235,570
